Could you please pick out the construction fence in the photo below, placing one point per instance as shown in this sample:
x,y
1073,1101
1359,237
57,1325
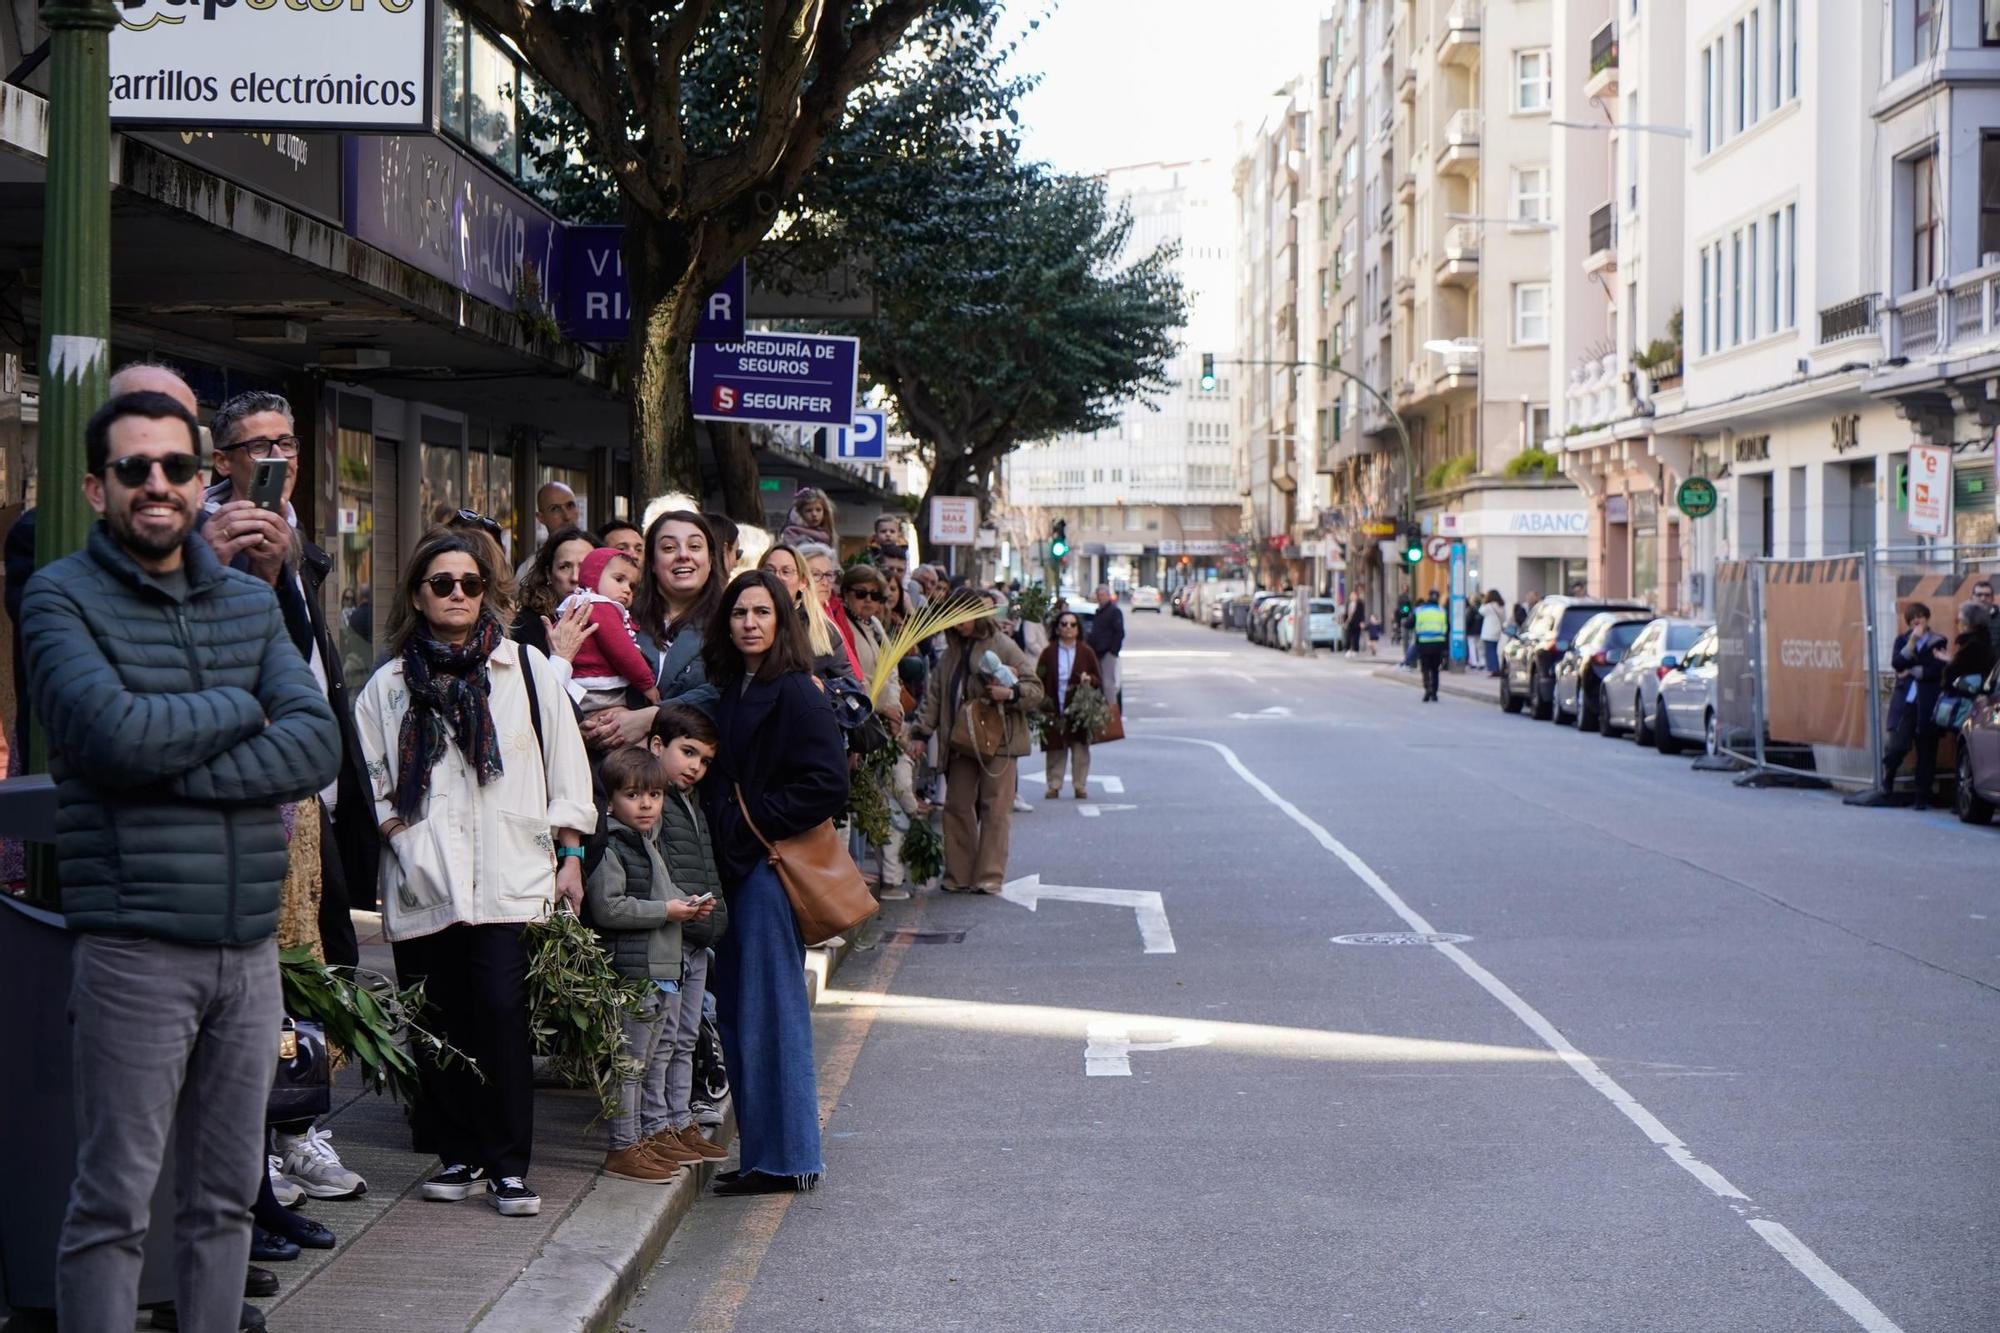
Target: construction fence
x,y
1803,667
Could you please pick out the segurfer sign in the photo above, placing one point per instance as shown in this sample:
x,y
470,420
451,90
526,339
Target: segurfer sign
x,y
273,64
785,379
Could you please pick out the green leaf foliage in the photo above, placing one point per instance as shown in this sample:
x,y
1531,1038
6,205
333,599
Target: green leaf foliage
x,y
577,1006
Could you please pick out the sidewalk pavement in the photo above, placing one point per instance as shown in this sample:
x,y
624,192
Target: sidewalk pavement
x,y
1474,685
418,1267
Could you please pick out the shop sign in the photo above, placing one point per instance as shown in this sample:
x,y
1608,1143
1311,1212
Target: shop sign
x,y
1192,546
1379,527
1516,523
789,379
954,520
1847,433
1697,497
594,301
262,64
428,204
301,171
1753,449
1930,489
1124,548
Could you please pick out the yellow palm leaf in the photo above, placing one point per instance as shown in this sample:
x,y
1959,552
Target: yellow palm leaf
x,y
946,614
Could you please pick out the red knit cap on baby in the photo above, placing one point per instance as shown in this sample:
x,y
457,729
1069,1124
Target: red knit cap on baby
x,y
594,565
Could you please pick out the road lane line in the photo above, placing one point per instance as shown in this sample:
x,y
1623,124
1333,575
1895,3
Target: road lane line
x,y
1795,1251
722,1304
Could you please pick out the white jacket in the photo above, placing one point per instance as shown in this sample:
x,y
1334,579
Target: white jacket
x,y
478,855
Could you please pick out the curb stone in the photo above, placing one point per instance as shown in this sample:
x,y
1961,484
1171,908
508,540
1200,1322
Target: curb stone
x,y
594,1261
1479,694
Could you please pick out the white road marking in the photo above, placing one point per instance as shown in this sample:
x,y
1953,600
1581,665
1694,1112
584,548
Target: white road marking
x,y
1263,714
1112,786
1796,1252
1154,931
1091,811
1108,1049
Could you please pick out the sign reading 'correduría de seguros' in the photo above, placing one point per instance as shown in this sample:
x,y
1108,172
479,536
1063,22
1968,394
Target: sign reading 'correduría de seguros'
x,y
798,379
273,64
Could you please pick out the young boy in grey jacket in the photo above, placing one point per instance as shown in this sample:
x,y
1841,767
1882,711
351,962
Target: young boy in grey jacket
x,y
634,903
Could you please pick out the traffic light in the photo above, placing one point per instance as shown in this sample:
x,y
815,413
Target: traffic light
x,y
1208,372
1413,546
1059,540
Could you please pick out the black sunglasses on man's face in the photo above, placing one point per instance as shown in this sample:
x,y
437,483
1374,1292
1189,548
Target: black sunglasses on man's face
x,y
133,470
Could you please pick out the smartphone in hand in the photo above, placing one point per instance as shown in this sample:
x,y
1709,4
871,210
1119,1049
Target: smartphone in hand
x,y
267,484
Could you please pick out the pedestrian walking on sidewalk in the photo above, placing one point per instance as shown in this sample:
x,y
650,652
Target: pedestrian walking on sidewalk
x,y
482,790
1066,664
1107,640
1920,671
1492,626
978,700
780,770
1431,632
179,716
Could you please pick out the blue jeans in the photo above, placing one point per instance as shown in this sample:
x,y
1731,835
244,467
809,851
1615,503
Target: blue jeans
x,y
1492,656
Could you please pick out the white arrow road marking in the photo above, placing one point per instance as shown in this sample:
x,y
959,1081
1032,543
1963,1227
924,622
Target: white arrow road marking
x,y
1112,786
1263,714
1089,811
1152,912
1107,1053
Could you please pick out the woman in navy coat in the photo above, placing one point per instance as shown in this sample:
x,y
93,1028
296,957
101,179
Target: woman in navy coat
x,y
780,747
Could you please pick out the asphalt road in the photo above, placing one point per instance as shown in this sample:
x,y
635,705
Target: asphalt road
x,y
1712,1059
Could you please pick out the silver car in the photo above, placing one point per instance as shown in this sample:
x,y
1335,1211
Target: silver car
x,y
1632,690
1685,711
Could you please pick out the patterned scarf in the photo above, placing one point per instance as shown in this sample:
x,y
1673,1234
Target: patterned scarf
x,y
449,688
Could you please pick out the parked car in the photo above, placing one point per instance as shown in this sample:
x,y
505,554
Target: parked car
x,y
1146,598
1685,711
1323,620
1977,789
1284,626
1529,655
1580,673
1632,690
1261,613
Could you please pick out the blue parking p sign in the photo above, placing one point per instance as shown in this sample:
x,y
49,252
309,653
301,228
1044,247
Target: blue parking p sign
x,y
866,439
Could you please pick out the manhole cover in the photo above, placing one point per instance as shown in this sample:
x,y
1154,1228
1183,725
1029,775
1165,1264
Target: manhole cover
x,y
925,936
1401,937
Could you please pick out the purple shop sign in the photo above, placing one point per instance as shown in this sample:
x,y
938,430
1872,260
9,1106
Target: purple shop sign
x,y
790,379
596,302
425,202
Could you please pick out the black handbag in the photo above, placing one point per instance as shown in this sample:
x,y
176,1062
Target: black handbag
x,y
303,1088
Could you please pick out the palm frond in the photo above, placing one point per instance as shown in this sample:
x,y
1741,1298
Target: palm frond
x,y
946,614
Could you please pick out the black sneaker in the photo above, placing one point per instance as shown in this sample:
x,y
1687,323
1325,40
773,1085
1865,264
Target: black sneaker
x,y
511,1197
706,1113
454,1183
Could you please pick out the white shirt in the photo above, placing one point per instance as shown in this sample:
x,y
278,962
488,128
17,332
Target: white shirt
x,y
1065,660
1491,617
477,855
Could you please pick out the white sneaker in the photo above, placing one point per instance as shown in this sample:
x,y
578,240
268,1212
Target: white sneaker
x,y
1021,807
309,1159
286,1193
895,893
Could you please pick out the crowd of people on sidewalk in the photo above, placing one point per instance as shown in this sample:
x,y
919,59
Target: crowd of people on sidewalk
x,y
622,734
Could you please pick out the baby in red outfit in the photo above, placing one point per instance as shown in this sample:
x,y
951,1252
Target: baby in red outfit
x,y
609,662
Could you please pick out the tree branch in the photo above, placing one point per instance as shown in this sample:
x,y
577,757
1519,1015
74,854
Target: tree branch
x,y
664,128
791,34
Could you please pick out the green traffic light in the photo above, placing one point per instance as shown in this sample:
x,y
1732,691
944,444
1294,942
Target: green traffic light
x,y
1208,372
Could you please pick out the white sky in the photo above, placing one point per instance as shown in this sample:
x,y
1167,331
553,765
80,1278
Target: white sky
x,y
1129,81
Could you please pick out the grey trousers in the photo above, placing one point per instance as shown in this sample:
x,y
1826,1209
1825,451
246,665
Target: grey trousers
x,y
179,1038
1076,756
1114,675
676,1077
646,1038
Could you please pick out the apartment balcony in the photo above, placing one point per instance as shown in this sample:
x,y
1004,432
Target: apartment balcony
x,y
1601,256
1458,365
1406,85
1859,318
1405,288
1459,266
1460,155
1406,188
1458,41
1603,80
1960,319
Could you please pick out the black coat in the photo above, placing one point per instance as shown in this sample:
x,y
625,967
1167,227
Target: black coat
x,y
1925,669
779,742
1107,630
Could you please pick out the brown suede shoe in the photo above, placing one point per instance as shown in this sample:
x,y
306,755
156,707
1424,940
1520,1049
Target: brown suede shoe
x,y
692,1139
638,1163
666,1146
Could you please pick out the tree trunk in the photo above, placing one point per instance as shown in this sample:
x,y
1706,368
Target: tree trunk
x,y
666,295
736,459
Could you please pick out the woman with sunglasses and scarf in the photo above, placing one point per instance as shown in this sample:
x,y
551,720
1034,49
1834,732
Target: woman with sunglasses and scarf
x,y
482,790
1065,665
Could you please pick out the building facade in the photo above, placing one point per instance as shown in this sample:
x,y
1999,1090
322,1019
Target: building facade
x,y
1151,499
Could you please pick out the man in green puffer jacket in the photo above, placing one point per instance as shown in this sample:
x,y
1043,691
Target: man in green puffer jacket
x,y
179,716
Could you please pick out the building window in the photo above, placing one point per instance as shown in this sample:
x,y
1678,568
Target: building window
x,y
1702,304
1777,283
1750,288
1737,105
1707,99
1752,62
1777,54
1989,194
1925,20
1735,288
1538,425
1531,314
1531,80
1530,195
1989,23
1922,173
1791,266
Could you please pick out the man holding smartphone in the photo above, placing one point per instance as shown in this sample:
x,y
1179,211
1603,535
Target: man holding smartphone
x,y
255,432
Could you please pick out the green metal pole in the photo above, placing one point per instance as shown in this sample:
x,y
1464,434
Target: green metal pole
x,y
76,265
